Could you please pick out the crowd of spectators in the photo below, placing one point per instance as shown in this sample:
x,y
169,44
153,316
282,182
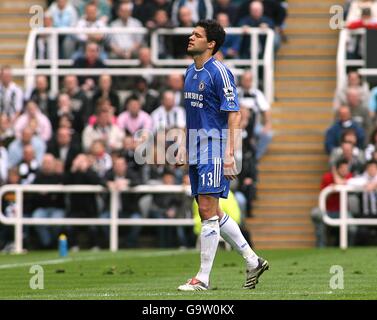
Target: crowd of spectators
x,y
85,134
351,140
154,14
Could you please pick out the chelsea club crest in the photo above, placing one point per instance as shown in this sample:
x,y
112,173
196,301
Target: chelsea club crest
x,y
201,86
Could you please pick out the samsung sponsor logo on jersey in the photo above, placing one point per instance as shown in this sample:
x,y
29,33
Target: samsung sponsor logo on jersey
x,y
193,95
196,97
228,93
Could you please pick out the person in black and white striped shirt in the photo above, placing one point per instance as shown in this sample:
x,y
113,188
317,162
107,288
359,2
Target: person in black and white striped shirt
x,y
168,115
11,95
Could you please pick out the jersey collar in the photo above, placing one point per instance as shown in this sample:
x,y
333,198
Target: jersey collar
x,y
210,59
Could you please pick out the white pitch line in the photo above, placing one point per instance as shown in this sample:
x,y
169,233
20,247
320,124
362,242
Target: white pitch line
x,y
95,257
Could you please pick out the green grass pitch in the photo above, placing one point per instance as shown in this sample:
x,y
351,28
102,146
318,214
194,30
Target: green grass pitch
x,y
155,274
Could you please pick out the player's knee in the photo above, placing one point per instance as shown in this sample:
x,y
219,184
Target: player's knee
x,y
206,211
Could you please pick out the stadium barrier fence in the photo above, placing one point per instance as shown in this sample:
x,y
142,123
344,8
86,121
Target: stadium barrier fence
x,y
343,221
32,64
113,222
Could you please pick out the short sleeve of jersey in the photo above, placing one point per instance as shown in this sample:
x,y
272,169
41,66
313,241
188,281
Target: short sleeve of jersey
x,y
225,88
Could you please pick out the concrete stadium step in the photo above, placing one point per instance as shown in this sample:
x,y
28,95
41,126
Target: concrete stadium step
x,y
14,62
288,158
302,104
288,237
283,137
300,95
296,167
314,51
278,244
279,228
293,115
273,220
302,65
309,127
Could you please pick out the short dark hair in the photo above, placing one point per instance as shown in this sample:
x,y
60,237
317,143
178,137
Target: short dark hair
x,y
370,162
214,32
341,162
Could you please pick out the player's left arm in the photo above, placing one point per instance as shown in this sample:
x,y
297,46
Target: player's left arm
x,y
234,120
227,92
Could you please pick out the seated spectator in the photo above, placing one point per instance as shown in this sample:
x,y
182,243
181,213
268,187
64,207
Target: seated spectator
x,y
338,176
274,10
231,46
352,154
8,205
90,20
104,130
128,153
82,205
103,9
257,19
106,91
255,100
150,10
366,205
3,165
63,15
344,122
15,150
63,148
359,110
134,119
227,7
101,161
247,179
372,105
126,45
28,166
103,104
165,42
79,100
175,83
168,206
118,178
91,60
168,115
43,41
11,95
353,81
148,97
365,22
199,9
41,96
48,205
34,118
355,11
371,147
65,108
6,130
185,20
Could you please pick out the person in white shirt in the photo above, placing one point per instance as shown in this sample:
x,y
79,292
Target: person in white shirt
x,y
89,20
255,100
368,182
125,45
3,165
11,95
168,115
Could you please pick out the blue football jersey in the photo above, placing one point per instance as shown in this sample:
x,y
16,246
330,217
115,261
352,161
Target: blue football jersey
x,y
209,94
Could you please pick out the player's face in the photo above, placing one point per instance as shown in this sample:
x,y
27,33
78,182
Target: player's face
x,y
198,42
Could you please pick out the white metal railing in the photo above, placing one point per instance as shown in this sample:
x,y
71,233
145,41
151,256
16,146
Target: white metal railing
x,y
114,221
341,61
31,62
344,221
